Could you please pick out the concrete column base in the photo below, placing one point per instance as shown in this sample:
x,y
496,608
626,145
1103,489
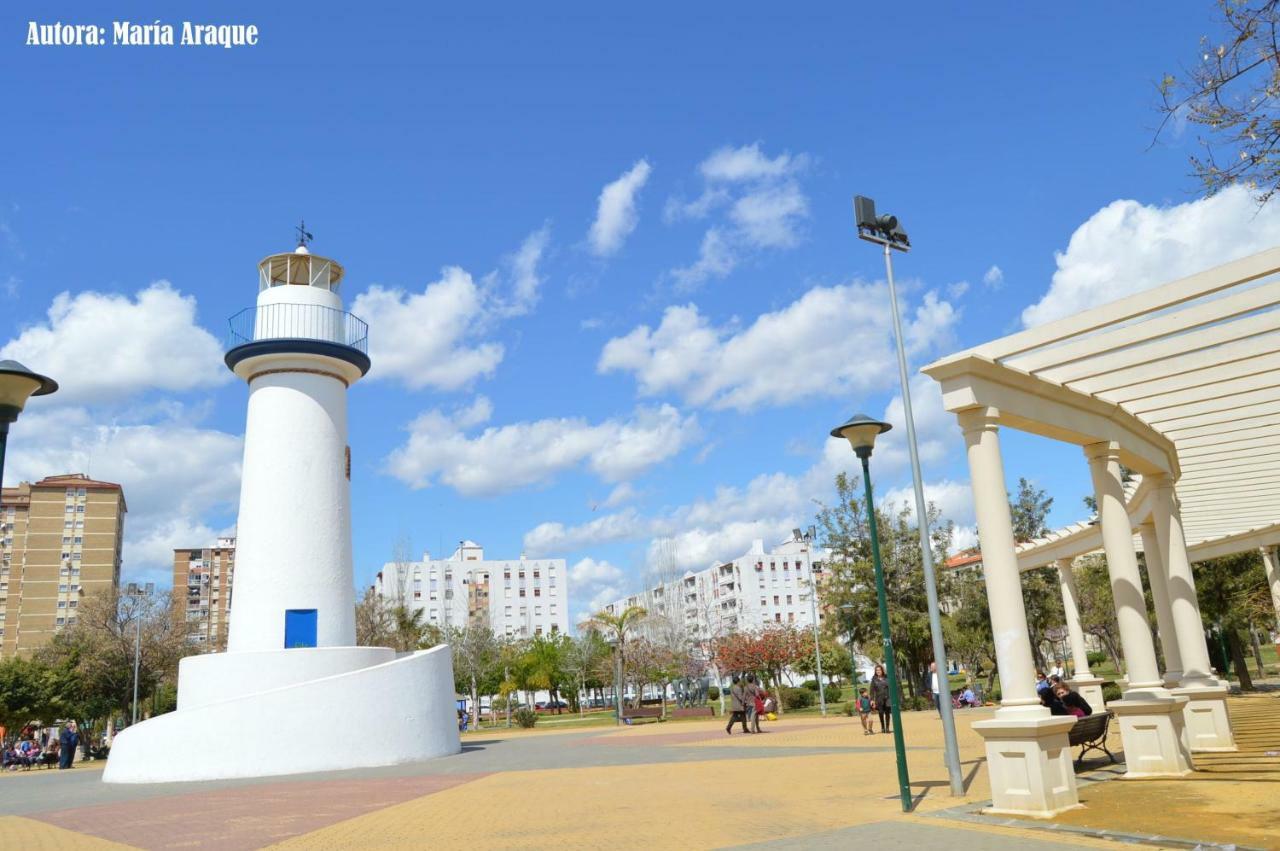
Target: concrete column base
x,y
1154,735
1090,688
1207,721
1172,679
1029,762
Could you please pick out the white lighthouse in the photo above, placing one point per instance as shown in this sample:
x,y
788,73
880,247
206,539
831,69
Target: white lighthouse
x,y
291,662
300,354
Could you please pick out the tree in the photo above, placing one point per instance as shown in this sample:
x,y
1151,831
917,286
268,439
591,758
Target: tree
x,y
1233,595
542,666
584,658
768,653
616,629
93,659
476,662
1230,94
851,575
1029,512
1097,605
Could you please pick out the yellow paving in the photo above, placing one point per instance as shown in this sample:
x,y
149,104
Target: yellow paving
x,y
31,835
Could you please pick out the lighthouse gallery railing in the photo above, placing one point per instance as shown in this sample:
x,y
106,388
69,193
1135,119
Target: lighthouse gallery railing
x,y
298,322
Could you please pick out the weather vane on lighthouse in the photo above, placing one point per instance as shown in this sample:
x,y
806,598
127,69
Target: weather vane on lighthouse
x,y
304,236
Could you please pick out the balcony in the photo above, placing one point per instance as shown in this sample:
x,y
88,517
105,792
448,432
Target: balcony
x,y
303,328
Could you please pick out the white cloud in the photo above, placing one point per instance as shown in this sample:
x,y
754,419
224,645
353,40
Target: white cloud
x,y
724,524
956,291
748,163
994,278
425,339
762,203
831,342
523,454
715,260
174,474
1127,247
954,499
620,495
768,218
525,280
616,210
588,571
106,347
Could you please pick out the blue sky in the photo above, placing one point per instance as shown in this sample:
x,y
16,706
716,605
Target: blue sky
x,y
607,259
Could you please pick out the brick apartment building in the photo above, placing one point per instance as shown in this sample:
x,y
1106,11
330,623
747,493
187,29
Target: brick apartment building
x,y
60,541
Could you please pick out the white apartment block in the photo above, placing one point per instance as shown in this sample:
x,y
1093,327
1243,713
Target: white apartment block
x,y
747,594
517,598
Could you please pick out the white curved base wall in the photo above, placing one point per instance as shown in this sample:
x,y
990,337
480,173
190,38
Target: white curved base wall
x,y
402,710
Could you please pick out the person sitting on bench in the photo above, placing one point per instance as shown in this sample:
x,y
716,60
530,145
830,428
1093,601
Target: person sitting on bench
x,y
1074,703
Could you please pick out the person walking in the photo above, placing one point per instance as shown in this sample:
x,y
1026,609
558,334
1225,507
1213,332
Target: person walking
x,y
759,708
737,706
880,698
935,685
864,712
67,741
752,691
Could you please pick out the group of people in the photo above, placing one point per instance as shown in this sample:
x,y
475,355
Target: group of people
x,y
28,753
1059,698
876,700
748,700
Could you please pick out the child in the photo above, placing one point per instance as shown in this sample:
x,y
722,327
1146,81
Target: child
x,y
864,712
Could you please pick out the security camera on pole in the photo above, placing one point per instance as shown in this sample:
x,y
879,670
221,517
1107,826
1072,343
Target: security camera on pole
x,y
887,231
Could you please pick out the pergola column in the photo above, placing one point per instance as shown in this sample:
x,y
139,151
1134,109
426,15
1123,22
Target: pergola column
x,y
1273,582
1027,751
1083,681
1207,721
1160,597
1151,723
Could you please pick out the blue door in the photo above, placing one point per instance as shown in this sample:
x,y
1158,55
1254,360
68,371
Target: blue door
x,y
299,628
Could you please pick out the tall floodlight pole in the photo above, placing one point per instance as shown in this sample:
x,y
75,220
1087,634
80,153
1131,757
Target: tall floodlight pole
x,y
817,651
136,594
861,432
886,231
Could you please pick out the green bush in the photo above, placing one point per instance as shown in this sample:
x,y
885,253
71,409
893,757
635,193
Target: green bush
x,y
811,685
525,717
797,698
1096,657
848,709
1111,691
713,692
833,693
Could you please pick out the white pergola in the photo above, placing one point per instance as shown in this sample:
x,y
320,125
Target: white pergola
x,y
1181,385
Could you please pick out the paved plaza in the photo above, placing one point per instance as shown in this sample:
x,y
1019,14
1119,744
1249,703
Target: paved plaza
x,y
807,782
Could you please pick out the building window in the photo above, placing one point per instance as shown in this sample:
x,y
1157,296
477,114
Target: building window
x,y
788,599
537,592
521,592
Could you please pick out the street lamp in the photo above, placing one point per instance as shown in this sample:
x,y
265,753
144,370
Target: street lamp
x,y
17,384
136,594
817,651
861,431
886,230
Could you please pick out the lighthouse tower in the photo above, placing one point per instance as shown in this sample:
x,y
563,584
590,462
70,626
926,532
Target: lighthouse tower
x,y
292,662
299,352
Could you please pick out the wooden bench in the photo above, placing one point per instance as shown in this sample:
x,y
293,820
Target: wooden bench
x,y
1090,733
628,713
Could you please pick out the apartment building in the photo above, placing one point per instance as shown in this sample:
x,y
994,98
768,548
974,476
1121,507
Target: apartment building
x,y
758,589
202,580
60,541
514,597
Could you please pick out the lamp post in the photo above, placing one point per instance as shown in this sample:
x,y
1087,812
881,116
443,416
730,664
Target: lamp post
x,y
817,651
17,384
861,432
136,594
886,231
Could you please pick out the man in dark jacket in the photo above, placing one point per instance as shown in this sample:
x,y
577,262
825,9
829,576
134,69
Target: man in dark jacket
x,y
737,706
67,741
